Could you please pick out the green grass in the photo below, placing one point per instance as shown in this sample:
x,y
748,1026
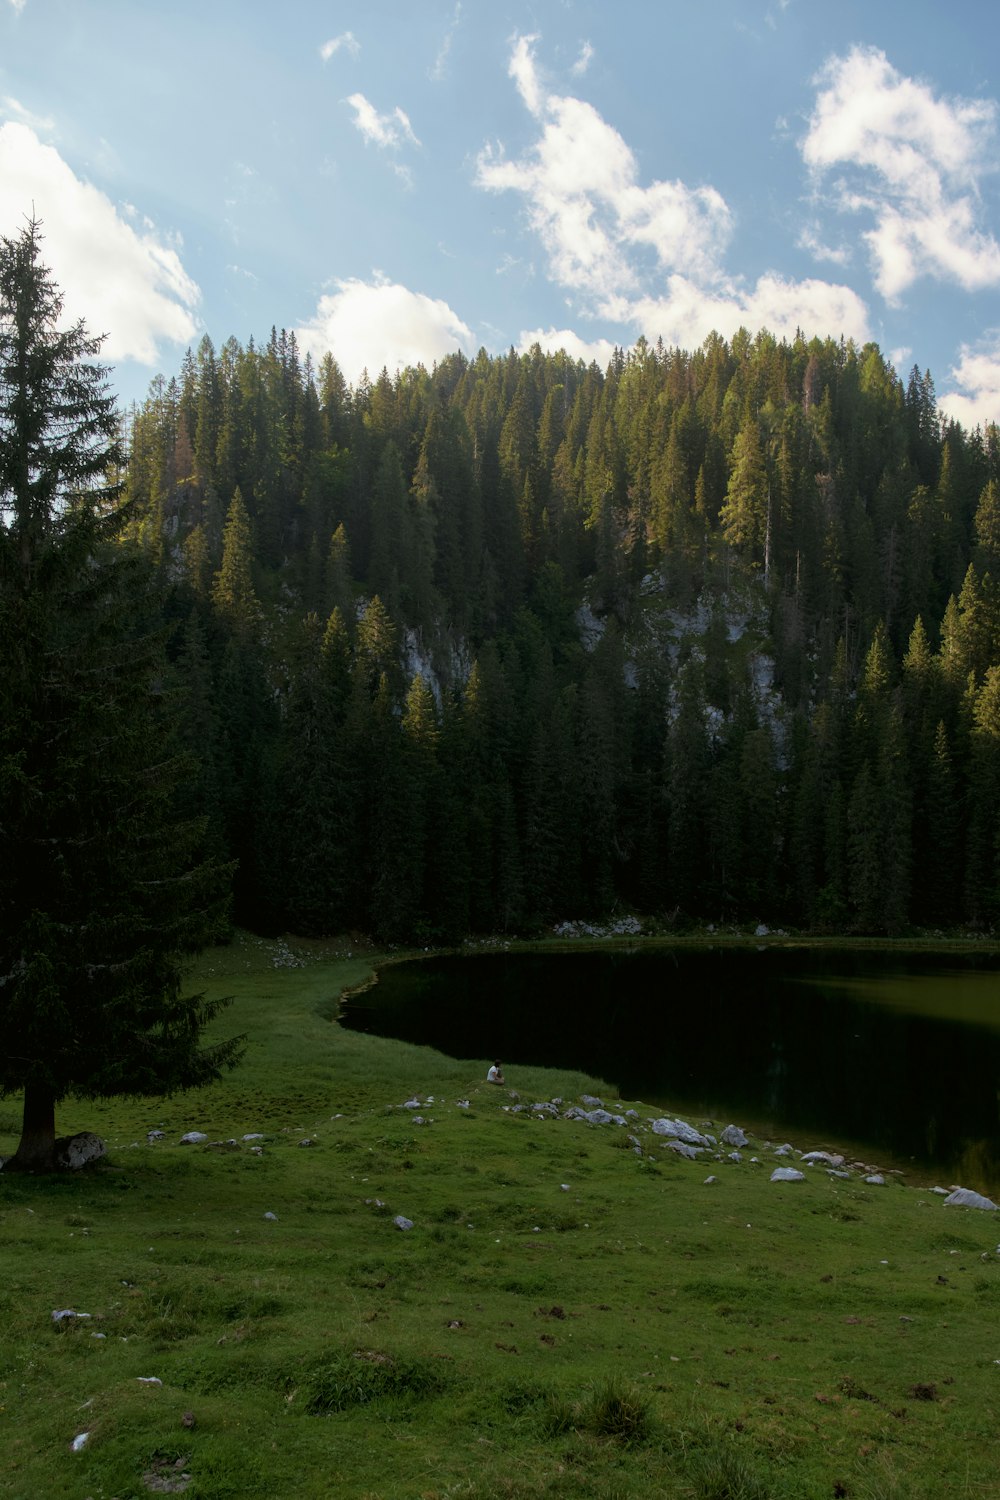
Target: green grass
x,y
634,1333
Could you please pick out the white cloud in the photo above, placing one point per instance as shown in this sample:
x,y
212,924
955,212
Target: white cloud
x,y
523,70
913,163
382,130
439,68
598,351
346,40
580,183
583,61
687,313
366,325
650,258
809,239
18,5
13,109
978,373
126,281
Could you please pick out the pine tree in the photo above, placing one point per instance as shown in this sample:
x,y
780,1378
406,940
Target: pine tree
x,y
233,589
745,518
101,886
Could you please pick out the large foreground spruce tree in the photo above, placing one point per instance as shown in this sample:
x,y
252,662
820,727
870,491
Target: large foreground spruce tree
x,y
102,887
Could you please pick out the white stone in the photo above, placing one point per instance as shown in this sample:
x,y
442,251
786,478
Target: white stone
x,y
966,1198
679,1130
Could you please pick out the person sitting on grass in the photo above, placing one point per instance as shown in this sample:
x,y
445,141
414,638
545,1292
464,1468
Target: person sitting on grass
x,y
495,1075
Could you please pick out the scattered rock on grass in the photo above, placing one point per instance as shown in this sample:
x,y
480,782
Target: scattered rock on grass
x,y
168,1476
787,1174
76,1151
401,1222
966,1198
680,1130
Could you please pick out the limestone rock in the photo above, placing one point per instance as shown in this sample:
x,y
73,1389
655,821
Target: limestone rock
x,y
593,1116
679,1130
787,1174
966,1198
76,1151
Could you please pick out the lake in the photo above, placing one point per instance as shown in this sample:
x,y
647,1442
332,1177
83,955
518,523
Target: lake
x,y
893,1056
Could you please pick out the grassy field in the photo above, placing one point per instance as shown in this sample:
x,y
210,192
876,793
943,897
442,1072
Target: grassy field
x,y
573,1313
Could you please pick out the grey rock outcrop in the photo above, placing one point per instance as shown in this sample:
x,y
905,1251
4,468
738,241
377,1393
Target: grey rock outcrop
x,y
680,1130
966,1198
76,1151
683,1148
593,1116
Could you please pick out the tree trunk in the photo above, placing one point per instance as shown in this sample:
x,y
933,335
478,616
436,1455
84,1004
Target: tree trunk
x,y
36,1149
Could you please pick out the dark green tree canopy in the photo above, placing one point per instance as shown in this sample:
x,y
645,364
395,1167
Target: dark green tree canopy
x,y
102,885
666,614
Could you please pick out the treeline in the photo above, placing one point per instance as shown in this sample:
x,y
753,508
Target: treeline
x,y
713,636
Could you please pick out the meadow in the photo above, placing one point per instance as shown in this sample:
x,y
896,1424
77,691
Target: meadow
x,y
575,1311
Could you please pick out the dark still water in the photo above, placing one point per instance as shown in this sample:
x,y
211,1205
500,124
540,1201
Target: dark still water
x,y
895,1056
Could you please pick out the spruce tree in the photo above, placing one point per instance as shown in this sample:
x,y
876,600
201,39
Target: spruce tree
x,y
101,887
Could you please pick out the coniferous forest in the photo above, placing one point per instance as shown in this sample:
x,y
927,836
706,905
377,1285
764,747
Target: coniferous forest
x,y
707,636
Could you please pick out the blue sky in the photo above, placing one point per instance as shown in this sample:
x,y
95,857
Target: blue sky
x,y
397,180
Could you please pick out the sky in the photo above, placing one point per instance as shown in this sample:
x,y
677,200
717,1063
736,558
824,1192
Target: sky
x,y
397,180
